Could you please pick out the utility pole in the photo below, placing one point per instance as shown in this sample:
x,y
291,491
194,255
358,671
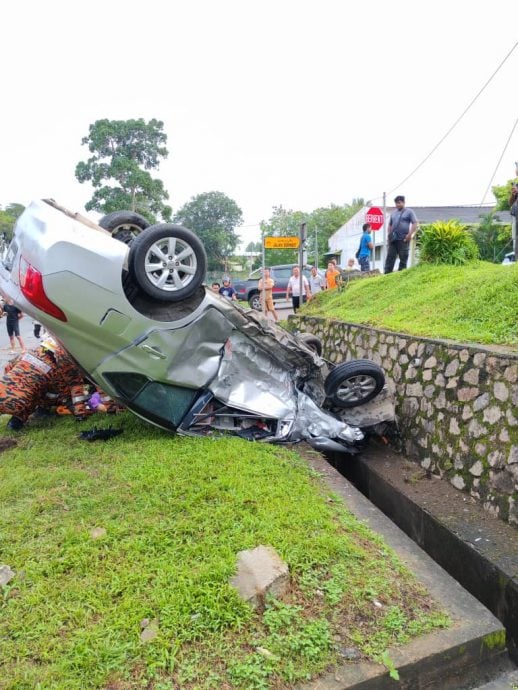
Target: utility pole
x,y
384,245
303,236
513,218
316,247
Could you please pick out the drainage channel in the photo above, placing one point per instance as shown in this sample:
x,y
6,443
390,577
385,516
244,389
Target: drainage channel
x,y
478,550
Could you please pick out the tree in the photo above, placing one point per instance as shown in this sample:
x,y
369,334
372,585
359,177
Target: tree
x,y
320,225
8,218
493,239
502,194
213,216
123,153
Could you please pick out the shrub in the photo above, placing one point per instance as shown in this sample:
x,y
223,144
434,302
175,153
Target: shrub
x,y
447,242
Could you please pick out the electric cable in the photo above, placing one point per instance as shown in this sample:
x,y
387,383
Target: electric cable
x,y
499,160
450,130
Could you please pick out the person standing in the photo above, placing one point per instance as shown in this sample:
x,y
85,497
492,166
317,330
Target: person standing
x,y
266,284
401,228
333,276
227,290
13,316
293,289
366,246
316,281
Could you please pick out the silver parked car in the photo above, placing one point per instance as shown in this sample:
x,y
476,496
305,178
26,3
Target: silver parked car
x,y
129,303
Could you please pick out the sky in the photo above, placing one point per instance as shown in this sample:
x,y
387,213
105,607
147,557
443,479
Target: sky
x,y
274,103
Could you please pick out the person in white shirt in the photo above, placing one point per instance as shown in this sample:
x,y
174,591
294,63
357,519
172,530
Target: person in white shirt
x,y
317,282
293,289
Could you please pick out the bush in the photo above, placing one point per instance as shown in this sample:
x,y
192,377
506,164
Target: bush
x,y
447,242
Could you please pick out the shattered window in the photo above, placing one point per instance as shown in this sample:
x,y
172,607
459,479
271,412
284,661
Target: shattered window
x,y
166,403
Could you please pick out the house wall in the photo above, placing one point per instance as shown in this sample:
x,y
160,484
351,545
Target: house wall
x,y
457,405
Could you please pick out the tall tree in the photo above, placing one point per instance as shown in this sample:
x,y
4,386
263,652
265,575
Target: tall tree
x,y
123,153
214,217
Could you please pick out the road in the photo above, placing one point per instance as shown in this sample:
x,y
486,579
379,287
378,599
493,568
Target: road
x,y
26,331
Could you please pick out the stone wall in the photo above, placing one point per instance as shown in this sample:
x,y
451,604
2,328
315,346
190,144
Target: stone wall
x,y
457,405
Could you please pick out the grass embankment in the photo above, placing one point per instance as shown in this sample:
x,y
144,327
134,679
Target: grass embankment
x,y
476,303
176,511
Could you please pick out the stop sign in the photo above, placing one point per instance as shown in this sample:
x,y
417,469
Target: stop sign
x,y
374,217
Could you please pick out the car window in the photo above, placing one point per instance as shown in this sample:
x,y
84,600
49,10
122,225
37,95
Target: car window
x,y
166,403
282,273
160,402
255,275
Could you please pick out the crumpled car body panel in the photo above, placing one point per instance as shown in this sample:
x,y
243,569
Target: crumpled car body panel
x,y
199,367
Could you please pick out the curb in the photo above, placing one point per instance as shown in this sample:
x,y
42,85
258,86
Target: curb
x,y
471,651
478,550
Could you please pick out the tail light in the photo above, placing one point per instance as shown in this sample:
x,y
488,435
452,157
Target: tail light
x,y
31,284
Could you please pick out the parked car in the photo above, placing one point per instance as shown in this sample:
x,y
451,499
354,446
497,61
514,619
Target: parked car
x,y
248,290
129,304
509,258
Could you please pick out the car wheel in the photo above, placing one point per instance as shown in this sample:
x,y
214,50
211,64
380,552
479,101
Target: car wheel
x,y
312,342
255,301
124,225
354,383
168,262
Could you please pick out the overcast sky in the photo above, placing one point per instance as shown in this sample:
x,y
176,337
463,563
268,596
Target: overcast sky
x,y
278,102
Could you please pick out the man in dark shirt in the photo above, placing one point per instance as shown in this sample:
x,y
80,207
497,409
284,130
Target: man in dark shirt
x,y
401,228
227,290
13,316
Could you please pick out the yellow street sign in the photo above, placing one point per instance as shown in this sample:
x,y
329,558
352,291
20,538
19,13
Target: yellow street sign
x,y
281,242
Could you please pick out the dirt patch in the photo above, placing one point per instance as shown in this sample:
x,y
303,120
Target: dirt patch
x,y
7,443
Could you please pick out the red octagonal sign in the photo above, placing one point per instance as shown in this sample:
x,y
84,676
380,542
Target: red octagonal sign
x,y
374,217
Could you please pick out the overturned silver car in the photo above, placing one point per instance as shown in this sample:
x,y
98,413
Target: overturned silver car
x,y
127,301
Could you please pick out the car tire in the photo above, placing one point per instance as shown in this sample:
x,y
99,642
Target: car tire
x,y
312,341
255,301
168,262
124,225
354,383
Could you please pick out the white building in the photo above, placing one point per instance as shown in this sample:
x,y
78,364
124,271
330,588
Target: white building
x,y
344,243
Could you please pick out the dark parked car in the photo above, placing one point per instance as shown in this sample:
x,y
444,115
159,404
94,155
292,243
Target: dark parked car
x,y
248,291
128,303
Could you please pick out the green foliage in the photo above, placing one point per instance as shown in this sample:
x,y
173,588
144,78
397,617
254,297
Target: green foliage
x,y
8,218
123,152
502,194
176,512
214,217
320,225
387,661
446,242
473,303
492,238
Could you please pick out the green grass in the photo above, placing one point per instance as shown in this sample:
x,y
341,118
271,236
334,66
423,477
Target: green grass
x,y
477,303
176,511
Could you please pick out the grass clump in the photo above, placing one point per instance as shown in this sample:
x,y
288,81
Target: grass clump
x,y
475,303
171,514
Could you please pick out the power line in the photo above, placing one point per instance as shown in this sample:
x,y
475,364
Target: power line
x,y
499,160
450,130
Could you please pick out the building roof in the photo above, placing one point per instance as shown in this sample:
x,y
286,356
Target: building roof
x,y
470,215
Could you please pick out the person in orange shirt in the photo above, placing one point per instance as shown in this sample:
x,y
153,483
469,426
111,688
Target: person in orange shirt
x,y
333,276
266,283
